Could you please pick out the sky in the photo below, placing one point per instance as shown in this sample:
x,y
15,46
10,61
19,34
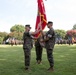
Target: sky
x,y
61,12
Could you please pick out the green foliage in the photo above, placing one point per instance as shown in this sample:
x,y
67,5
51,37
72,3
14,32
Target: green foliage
x,y
74,27
17,28
60,33
16,31
17,35
1,40
3,36
12,61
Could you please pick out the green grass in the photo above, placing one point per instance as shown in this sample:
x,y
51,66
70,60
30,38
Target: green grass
x,y
12,61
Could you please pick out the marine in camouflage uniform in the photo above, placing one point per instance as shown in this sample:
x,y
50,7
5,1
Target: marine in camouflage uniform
x,y
49,44
27,46
39,50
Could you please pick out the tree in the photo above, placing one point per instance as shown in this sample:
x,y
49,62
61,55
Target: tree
x,y
16,32
17,28
16,35
71,33
3,36
74,27
1,40
60,33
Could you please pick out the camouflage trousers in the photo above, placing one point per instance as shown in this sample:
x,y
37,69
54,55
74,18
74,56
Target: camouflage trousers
x,y
39,50
50,57
27,57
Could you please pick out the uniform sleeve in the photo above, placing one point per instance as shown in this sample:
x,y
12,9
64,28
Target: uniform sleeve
x,y
31,35
50,34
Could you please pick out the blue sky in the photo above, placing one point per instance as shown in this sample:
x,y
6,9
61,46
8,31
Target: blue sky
x,y
61,12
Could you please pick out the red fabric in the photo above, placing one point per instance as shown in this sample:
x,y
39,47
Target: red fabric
x,y
41,20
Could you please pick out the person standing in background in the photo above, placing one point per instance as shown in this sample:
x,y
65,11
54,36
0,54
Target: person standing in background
x,y
38,49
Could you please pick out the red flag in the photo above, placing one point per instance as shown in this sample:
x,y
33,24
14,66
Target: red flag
x,y
41,20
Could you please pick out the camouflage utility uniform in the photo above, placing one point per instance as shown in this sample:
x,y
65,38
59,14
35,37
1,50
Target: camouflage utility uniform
x,y
49,45
38,49
27,46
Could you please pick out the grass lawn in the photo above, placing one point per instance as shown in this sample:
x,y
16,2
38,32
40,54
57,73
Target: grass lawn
x,y
12,61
